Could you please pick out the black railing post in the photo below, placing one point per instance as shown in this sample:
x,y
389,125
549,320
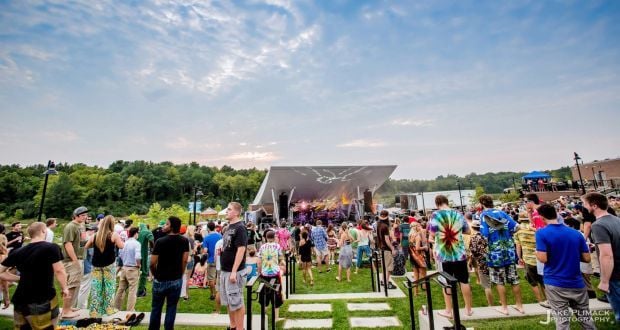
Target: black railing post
x,y
411,308
293,279
263,297
429,302
288,275
377,268
455,305
248,302
273,304
385,283
248,308
372,272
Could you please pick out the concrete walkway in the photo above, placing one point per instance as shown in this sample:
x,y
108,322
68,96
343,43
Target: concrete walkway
x,y
210,320
484,313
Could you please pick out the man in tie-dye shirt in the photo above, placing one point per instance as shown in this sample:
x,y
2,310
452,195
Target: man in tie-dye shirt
x,y
446,228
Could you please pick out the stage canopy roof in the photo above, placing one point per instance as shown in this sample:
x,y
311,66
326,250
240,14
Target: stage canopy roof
x,y
536,175
321,182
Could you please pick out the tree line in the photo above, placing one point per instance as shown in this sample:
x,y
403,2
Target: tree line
x,y
121,189
126,188
490,182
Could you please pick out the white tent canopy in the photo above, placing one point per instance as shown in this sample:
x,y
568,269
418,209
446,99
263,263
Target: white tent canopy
x,y
311,183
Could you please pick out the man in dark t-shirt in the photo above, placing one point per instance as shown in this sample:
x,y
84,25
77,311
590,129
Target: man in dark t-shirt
x,y
15,238
233,274
384,242
34,300
168,262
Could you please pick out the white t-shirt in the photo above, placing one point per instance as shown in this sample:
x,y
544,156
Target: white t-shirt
x,y
218,252
49,236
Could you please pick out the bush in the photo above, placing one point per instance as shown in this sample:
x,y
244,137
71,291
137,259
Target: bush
x,y
19,214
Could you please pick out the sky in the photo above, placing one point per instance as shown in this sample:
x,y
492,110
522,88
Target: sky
x,y
435,87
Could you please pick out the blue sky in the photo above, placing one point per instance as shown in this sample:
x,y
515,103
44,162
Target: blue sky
x,y
433,87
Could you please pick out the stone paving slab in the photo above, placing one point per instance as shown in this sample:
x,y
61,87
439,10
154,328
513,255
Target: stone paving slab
x,y
368,306
374,322
308,323
310,308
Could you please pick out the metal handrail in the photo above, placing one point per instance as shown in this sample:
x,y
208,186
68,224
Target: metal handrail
x,y
447,281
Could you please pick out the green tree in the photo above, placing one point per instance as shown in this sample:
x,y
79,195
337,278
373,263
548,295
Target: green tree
x,y
62,198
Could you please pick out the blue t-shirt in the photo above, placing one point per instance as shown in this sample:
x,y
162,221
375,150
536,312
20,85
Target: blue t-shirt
x,y
564,246
209,244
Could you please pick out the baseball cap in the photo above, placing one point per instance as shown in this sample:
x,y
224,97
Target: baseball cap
x,y
162,223
80,210
100,216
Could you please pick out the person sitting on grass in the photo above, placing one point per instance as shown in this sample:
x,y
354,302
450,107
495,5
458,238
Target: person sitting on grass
x,y
252,262
199,278
305,253
345,258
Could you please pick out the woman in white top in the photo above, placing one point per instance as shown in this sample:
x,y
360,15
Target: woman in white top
x,y
364,238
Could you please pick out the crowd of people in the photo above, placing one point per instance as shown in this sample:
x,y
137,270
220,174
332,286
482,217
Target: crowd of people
x,y
103,263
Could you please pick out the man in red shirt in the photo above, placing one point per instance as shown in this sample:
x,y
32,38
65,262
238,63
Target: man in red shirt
x,y
532,202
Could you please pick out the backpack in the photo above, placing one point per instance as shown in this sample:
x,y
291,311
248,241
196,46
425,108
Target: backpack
x,y
399,264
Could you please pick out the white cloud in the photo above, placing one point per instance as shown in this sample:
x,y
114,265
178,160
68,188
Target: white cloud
x,y
178,144
362,143
243,144
413,122
64,136
256,156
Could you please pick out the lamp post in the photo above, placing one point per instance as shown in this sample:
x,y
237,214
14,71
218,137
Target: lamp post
x,y
51,169
458,183
197,193
577,158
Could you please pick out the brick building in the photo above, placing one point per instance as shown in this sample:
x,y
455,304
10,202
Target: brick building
x,y
601,171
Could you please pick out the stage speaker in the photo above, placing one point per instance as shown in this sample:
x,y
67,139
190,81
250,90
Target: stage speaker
x,y
367,201
283,206
404,202
397,199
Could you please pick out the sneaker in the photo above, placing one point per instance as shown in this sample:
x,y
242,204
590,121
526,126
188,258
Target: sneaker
x,y
544,304
603,298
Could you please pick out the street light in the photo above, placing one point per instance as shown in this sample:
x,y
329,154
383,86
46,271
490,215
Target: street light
x,y
51,169
197,193
577,158
458,183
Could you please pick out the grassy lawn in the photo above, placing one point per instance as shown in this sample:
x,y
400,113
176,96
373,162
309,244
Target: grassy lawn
x,y
325,282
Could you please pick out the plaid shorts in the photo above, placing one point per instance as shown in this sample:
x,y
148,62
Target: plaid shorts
x,y
40,316
504,275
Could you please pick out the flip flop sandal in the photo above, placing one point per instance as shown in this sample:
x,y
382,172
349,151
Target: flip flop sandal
x,y
136,321
129,318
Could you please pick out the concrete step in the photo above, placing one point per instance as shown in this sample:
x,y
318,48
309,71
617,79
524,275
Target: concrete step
x,y
308,323
368,307
374,322
307,308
